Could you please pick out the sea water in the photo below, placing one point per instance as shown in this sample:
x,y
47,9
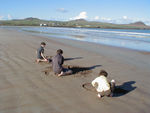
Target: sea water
x,y
132,39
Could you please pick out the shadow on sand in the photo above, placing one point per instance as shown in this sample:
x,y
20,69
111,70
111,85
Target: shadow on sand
x,y
66,59
123,89
82,70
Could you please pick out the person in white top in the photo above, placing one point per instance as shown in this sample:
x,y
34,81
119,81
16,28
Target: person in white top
x,y
102,85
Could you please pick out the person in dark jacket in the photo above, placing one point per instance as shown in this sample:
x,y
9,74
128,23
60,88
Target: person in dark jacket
x,y
40,53
57,62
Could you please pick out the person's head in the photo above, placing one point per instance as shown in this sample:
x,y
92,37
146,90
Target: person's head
x,y
43,44
59,51
103,73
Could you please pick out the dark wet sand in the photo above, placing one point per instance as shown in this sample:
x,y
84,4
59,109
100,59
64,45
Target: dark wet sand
x,y
24,87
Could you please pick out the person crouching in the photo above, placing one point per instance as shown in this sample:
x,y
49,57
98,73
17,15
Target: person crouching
x,y
102,85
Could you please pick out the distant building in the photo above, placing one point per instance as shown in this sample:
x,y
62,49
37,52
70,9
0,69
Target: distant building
x,y
43,25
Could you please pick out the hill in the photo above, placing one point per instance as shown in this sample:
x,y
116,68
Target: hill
x,y
138,24
73,23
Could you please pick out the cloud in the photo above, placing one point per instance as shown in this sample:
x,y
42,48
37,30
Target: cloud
x,y
124,17
1,17
82,15
96,18
105,19
62,10
126,20
123,20
147,22
9,17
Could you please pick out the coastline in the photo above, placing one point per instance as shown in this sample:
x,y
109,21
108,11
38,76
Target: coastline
x,y
132,39
25,88
78,23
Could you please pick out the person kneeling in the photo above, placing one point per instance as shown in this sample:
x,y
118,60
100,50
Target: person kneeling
x,y
57,62
103,87
40,53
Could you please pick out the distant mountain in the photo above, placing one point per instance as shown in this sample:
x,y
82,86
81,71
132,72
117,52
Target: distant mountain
x,y
73,23
79,20
139,23
31,18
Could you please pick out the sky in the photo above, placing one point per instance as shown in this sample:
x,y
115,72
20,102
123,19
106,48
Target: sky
x,y
112,11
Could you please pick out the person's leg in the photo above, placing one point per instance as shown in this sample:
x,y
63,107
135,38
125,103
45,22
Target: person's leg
x,y
112,87
41,60
107,93
61,73
44,60
37,60
65,72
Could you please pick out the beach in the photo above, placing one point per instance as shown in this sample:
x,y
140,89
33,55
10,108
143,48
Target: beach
x,y
25,88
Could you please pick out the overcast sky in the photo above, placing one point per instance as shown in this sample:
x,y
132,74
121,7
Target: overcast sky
x,y
114,11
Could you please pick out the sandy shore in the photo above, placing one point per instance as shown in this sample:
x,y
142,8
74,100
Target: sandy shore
x,y
24,88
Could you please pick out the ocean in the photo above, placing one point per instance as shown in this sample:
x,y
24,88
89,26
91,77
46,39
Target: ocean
x,y
131,39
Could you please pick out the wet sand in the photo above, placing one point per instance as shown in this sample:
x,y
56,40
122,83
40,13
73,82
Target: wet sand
x,y
25,88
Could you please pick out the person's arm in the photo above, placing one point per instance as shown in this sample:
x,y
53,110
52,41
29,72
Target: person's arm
x,y
43,56
93,83
62,60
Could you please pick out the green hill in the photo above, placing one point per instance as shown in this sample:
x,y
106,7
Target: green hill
x,y
74,23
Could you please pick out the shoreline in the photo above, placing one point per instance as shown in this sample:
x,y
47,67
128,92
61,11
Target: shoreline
x,y
25,88
69,27
47,34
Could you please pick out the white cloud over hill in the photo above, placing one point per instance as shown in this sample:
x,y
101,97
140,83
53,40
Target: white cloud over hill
x,y
82,15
